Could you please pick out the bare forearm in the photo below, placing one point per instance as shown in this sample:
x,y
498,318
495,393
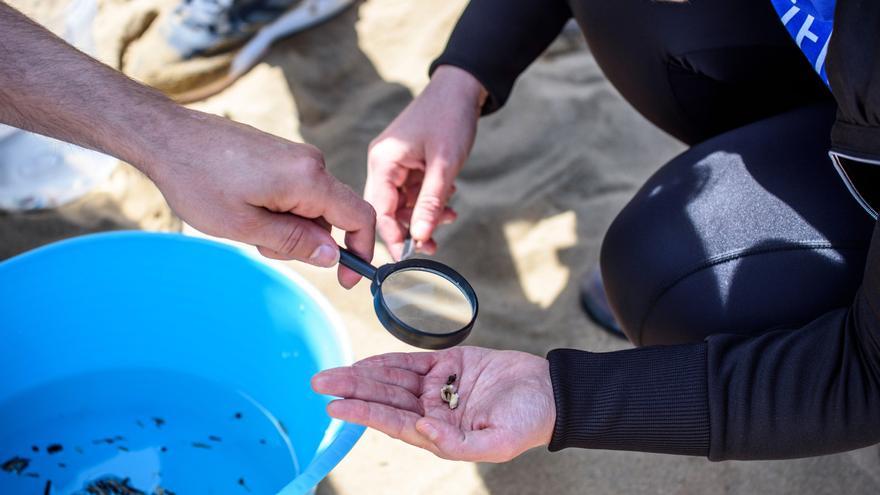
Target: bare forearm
x,y
51,88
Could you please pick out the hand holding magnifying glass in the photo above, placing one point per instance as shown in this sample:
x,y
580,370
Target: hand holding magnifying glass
x,y
421,302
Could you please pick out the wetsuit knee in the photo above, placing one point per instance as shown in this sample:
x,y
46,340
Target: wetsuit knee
x,y
722,240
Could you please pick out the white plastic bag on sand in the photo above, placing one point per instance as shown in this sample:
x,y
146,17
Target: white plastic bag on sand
x,y
39,172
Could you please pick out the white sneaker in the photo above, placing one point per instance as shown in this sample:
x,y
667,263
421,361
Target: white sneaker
x,y
223,39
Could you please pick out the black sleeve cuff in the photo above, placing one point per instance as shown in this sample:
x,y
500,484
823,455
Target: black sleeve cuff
x,y
860,141
652,399
496,40
497,93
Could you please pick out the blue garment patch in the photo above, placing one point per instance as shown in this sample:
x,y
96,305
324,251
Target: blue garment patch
x,y
810,23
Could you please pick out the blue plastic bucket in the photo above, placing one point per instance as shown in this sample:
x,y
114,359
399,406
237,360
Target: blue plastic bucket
x,y
167,363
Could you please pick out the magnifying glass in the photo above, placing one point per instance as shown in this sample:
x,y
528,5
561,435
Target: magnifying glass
x,y
421,302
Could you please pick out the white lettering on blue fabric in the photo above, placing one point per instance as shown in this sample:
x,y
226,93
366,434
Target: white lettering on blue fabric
x,y
805,32
809,23
820,61
791,13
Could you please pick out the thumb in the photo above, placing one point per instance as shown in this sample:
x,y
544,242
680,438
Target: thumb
x,y
452,443
445,437
431,203
286,236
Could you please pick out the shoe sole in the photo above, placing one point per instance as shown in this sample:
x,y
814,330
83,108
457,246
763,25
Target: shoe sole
x,y
307,14
598,313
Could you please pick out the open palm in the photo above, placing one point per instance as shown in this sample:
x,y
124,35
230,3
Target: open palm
x,y
505,404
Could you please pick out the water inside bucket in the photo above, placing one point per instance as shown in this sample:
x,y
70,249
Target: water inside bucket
x,y
162,430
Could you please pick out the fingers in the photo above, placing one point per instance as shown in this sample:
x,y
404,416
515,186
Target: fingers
x,y
429,246
406,379
396,423
345,210
312,192
382,192
417,362
433,195
301,201
288,237
343,383
404,215
347,277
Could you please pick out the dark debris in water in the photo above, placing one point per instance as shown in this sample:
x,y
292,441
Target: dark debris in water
x,y
243,484
214,438
15,465
200,445
238,415
111,485
48,488
32,475
159,422
54,448
34,448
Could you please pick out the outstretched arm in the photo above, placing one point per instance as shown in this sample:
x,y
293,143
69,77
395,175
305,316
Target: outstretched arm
x,y
794,393
791,393
223,178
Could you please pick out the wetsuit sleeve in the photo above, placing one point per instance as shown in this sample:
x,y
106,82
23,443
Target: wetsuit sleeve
x,y
790,393
495,40
853,67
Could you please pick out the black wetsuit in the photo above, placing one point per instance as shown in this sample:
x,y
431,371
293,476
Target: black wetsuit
x,y
741,264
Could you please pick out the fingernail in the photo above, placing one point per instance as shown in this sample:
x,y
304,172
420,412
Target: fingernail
x,y
325,255
317,383
429,431
421,229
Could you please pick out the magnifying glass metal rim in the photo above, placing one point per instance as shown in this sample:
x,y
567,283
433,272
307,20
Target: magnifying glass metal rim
x,y
410,334
395,325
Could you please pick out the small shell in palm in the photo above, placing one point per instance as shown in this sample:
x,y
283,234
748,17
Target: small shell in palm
x,y
449,395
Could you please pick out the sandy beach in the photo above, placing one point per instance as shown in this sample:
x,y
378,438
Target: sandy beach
x,y
548,174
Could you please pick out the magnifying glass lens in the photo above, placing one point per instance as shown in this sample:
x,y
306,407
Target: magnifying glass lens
x,y
426,300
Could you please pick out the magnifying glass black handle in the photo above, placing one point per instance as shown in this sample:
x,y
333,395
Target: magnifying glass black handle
x,y
356,263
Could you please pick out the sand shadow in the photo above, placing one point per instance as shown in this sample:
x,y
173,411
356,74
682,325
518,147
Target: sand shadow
x,y
326,487
136,205
341,100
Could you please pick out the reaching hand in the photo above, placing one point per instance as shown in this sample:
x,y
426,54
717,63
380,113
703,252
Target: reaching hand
x,y
223,178
231,180
505,407
414,162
